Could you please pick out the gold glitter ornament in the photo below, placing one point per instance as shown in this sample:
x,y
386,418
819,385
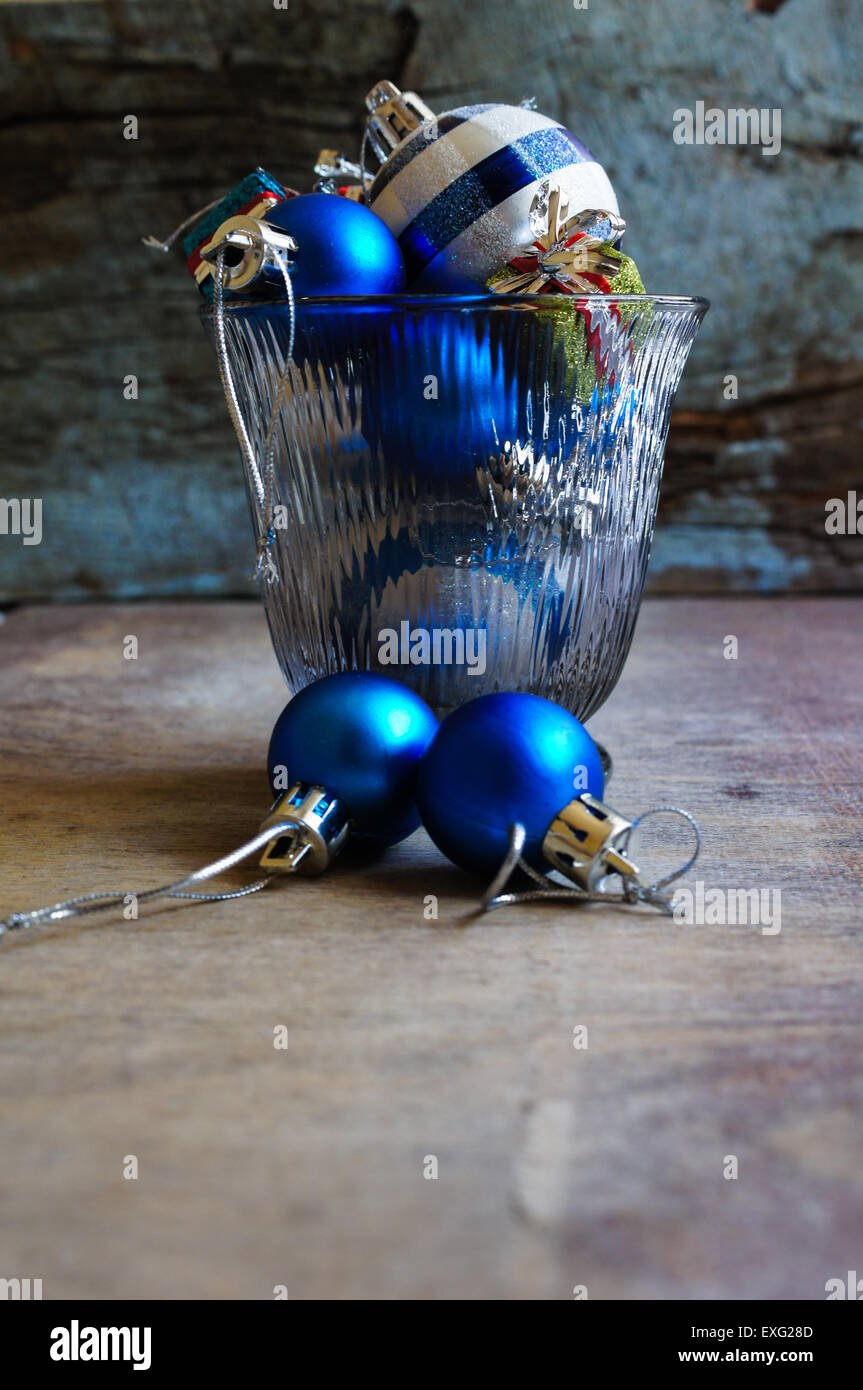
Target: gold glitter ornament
x,y
580,278
627,279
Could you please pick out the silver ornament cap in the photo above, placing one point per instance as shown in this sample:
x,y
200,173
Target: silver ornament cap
x,y
393,116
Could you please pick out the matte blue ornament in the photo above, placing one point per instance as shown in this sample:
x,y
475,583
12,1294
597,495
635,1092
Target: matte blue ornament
x,y
343,248
498,760
360,736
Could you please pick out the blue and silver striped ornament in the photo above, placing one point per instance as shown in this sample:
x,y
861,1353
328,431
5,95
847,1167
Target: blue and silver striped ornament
x,y
456,192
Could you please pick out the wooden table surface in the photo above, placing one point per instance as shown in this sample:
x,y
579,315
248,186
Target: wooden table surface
x,y
558,1167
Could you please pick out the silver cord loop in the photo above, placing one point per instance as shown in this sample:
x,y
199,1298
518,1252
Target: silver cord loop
x,y
632,890
517,837
157,245
227,377
89,903
606,760
265,567
365,178
672,811
264,482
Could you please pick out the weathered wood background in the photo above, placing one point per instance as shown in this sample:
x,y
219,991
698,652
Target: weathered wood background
x,y
144,497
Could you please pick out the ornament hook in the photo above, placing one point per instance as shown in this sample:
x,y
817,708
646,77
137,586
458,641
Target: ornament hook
x,y
250,249
393,115
591,845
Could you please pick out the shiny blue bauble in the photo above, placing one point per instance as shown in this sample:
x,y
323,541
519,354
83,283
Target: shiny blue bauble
x,y
343,248
500,759
439,393
360,736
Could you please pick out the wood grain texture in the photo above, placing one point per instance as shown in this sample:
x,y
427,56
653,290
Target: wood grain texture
x,y
144,498
410,1037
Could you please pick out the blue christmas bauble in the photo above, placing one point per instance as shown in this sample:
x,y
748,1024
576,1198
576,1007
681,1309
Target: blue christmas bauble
x,y
439,394
343,248
500,759
457,191
360,736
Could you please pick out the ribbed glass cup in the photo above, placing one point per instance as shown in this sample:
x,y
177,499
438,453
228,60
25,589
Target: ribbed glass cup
x,y
465,488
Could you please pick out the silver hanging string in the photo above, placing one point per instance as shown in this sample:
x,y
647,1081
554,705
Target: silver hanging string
x,y
264,480
366,179
157,245
606,759
264,483
265,567
227,378
632,890
88,903
685,815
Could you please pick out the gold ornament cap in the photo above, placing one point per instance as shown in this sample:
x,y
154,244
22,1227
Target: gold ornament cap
x,y
587,841
309,828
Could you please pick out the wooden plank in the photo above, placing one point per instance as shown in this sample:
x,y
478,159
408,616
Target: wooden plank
x,y
408,1037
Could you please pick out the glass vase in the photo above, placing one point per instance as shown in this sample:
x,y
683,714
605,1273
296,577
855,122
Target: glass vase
x,y
464,488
